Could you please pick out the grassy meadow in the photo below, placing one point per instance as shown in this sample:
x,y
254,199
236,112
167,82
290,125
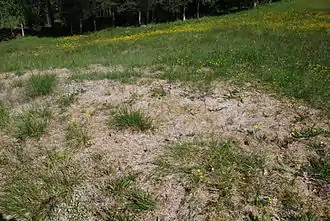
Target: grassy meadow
x,y
284,45
218,118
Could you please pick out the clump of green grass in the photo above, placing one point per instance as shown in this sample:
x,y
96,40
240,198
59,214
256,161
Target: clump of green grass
x,y
4,115
77,134
129,200
39,85
32,122
66,100
37,184
128,118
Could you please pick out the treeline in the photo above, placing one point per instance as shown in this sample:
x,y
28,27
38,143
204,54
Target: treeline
x,y
62,17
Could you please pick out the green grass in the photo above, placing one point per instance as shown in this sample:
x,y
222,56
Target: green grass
x,y
31,122
129,118
39,85
283,46
37,183
127,76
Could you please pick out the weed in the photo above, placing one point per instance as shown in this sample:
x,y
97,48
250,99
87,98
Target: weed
x,y
128,118
32,122
36,184
39,85
77,133
66,100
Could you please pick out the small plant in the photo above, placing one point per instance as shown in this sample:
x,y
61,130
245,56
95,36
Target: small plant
x,y
39,85
66,100
32,122
126,117
4,115
77,132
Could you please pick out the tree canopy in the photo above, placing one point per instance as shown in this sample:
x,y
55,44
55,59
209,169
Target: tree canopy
x,y
76,16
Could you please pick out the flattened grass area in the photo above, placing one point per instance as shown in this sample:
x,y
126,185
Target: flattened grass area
x,y
284,45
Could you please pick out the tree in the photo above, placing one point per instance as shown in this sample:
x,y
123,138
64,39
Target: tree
x,y
12,15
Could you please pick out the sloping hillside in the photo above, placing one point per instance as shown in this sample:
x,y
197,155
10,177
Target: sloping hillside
x,y
221,118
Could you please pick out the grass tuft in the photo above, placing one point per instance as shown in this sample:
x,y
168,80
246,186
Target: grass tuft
x,y
66,100
140,201
128,118
77,135
4,115
32,122
39,85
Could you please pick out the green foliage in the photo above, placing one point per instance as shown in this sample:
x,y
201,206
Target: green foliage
x,y
39,85
128,118
32,122
37,184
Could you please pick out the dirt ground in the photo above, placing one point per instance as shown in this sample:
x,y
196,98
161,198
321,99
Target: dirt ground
x,y
257,121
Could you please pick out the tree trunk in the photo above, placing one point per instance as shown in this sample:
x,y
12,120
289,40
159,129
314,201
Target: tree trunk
x,y
22,29
184,13
198,9
94,23
71,28
255,3
147,17
80,26
12,32
139,17
113,18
